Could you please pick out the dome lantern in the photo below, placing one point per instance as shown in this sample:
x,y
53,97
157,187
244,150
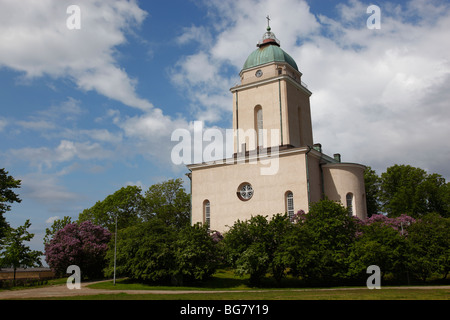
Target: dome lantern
x,y
268,51
268,37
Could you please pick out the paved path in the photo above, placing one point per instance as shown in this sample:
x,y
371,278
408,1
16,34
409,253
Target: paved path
x,y
63,291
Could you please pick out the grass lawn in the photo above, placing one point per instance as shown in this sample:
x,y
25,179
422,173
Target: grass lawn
x,y
237,289
224,285
293,294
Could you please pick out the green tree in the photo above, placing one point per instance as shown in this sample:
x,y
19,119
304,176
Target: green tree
x,y
246,246
7,196
437,194
57,225
125,204
156,252
279,226
408,190
323,241
196,256
428,244
444,195
253,246
144,252
379,244
169,202
372,188
15,253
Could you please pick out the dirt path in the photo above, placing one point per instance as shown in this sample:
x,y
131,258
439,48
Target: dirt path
x,y
63,291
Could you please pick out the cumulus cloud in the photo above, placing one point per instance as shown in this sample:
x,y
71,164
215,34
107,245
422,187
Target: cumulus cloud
x,y
35,40
378,97
46,189
46,157
52,219
3,124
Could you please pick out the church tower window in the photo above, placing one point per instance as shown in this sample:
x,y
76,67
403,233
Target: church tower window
x,y
290,204
259,126
349,200
207,213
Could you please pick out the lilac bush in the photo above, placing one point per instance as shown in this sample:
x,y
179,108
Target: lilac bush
x,y
400,223
300,216
83,244
216,236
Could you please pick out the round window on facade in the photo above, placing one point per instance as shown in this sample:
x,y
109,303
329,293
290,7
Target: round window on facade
x,y
245,191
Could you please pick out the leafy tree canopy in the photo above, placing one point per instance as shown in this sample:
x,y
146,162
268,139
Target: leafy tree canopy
x,y
125,204
169,202
372,188
7,196
15,252
153,251
412,191
57,225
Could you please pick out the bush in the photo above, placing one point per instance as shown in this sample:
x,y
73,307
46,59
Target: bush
x,y
83,244
253,246
428,245
379,244
329,231
153,251
196,257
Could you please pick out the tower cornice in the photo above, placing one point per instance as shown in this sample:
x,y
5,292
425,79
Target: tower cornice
x,y
270,80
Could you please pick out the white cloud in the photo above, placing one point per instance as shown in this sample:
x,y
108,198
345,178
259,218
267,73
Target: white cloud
x,y
46,189
34,39
3,124
66,151
378,97
201,35
103,135
52,219
149,134
36,125
69,109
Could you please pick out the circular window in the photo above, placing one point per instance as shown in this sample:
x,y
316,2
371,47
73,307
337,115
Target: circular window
x,y
245,191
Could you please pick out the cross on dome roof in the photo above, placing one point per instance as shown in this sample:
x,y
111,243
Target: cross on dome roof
x,y
269,36
268,51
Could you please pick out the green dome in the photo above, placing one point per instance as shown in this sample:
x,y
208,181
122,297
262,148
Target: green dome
x,y
266,54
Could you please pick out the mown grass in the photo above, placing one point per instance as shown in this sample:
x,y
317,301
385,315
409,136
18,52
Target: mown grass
x,y
238,289
222,279
307,294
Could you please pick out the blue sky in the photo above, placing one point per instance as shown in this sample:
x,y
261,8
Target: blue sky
x,y
87,111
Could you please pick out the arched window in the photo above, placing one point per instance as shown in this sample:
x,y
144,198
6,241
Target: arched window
x,y
349,200
290,204
207,213
259,126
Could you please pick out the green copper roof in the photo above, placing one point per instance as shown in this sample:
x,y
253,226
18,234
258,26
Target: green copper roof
x,y
266,54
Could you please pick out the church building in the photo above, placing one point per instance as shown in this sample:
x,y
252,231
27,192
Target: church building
x,y
276,166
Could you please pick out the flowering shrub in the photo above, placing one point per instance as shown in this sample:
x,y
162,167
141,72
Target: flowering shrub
x,y
400,223
300,216
83,244
216,236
